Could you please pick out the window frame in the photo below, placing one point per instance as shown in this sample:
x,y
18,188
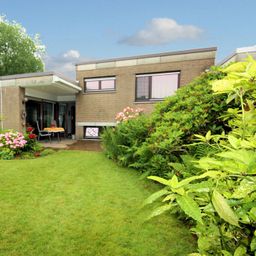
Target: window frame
x,y
99,80
93,137
150,75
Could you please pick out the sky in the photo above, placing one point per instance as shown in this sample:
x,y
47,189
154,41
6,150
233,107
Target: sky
x,y
84,30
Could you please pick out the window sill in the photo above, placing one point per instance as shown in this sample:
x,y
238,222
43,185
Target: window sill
x,y
99,92
147,101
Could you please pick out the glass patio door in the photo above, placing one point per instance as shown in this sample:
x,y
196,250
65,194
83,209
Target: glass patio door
x,y
48,114
43,112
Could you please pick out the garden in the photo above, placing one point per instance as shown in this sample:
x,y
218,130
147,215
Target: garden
x,y
179,181
200,144
81,203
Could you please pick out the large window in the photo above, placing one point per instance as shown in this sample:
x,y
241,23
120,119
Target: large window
x,y
156,86
99,84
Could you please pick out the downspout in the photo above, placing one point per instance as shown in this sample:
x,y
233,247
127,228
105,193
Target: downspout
x,y
1,106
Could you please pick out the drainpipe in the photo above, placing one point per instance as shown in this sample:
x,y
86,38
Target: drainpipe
x,y
1,106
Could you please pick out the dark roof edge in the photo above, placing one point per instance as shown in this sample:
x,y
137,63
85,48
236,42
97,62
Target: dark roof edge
x,y
36,74
198,50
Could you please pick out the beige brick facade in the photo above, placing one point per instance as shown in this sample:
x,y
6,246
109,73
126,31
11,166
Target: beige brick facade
x,y
101,107
97,108
12,108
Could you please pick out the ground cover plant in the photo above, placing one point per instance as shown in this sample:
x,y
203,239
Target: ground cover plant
x,y
81,203
150,143
220,199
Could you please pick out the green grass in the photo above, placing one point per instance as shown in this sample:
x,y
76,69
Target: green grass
x,y
80,203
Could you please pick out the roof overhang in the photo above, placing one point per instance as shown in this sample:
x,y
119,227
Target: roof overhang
x,y
47,85
240,54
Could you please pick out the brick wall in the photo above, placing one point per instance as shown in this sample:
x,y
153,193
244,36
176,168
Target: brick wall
x,y
103,106
13,108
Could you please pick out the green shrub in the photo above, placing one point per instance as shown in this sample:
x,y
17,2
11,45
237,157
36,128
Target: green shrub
x,y
32,144
7,154
13,143
221,198
150,144
27,155
121,142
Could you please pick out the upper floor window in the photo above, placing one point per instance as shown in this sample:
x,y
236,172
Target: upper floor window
x,y
156,86
99,84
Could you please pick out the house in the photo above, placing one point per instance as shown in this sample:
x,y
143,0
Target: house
x,y
108,86
104,88
43,97
238,55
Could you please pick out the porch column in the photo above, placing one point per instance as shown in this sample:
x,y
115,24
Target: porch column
x,y
13,108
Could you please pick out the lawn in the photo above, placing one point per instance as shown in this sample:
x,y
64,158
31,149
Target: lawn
x,y
80,203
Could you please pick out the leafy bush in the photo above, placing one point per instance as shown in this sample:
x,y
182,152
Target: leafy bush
x,y
14,143
6,153
32,144
11,144
221,198
121,142
151,143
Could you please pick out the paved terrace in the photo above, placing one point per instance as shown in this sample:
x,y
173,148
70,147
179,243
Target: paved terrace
x,y
87,145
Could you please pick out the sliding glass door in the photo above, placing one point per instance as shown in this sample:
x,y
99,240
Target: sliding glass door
x,y
41,112
48,114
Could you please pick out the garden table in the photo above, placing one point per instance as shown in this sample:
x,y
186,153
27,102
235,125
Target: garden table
x,y
55,130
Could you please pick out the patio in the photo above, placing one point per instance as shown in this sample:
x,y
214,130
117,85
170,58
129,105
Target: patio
x,y
86,145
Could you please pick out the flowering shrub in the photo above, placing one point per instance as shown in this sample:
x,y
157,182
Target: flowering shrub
x,y
128,113
12,140
14,144
194,109
32,136
32,145
122,141
11,144
30,129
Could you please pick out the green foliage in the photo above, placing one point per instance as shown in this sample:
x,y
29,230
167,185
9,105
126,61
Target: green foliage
x,y
16,144
27,155
121,142
6,154
221,197
19,53
150,145
47,151
32,144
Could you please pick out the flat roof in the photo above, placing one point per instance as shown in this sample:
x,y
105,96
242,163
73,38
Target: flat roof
x,y
210,49
37,74
237,52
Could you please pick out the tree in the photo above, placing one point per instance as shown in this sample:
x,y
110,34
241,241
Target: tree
x,y
19,53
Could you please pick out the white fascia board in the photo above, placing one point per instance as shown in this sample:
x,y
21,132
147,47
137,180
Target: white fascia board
x,y
57,79
100,79
246,49
158,74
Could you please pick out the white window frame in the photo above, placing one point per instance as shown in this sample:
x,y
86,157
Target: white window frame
x,y
150,75
99,80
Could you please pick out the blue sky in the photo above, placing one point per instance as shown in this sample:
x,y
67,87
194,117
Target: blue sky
x,y
79,30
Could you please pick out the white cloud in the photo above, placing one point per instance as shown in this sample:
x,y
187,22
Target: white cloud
x,y
162,31
64,63
72,54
